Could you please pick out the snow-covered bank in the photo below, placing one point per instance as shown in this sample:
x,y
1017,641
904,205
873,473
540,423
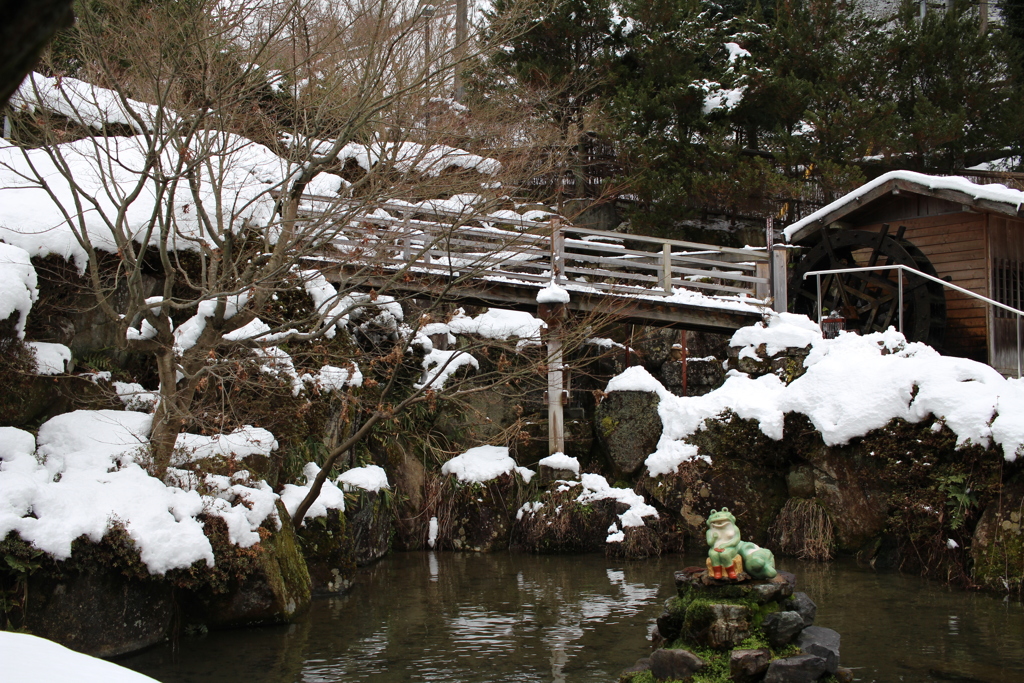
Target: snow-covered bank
x,y
28,658
853,384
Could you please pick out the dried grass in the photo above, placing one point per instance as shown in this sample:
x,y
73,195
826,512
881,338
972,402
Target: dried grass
x,y
804,530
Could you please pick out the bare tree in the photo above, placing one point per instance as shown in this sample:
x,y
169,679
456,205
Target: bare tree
x,y
202,130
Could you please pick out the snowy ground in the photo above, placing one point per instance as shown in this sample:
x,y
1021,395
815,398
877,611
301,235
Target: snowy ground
x,y
853,384
28,658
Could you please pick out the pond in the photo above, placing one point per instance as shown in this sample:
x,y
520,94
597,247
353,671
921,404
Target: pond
x,y
466,618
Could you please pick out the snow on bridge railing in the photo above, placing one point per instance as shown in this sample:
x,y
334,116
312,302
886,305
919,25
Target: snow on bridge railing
x,y
430,239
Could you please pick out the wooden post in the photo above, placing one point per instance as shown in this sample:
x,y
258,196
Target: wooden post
x,y
554,316
666,268
780,278
761,290
407,242
557,251
682,356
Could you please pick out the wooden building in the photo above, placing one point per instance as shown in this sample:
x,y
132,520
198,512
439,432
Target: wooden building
x,y
968,234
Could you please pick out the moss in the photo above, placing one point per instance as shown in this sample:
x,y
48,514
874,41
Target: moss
x,y
716,666
608,426
637,677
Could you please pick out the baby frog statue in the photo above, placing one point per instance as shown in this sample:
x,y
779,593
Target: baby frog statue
x,y
729,553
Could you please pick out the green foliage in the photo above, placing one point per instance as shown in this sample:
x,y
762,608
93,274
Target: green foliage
x,y
960,498
936,492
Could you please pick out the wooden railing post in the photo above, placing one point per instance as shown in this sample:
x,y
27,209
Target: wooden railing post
x,y
780,278
666,268
554,315
406,241
557,251
761,289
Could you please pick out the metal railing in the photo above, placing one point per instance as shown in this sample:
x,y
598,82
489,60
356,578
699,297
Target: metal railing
x,y
991,302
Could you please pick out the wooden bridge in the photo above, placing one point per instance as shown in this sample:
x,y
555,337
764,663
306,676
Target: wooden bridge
x,y
503,260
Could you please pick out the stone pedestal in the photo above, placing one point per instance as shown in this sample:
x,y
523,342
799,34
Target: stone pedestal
x,y
762,630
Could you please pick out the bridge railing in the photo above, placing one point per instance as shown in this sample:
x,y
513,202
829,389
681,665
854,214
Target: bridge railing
x,y
433,240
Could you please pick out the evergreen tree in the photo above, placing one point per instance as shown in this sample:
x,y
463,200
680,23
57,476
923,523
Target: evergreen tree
x,y
955,102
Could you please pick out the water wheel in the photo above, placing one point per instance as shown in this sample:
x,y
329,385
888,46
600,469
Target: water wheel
x,y
869,300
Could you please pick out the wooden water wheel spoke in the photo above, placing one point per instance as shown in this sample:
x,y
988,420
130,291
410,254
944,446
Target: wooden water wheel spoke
x,y
870,300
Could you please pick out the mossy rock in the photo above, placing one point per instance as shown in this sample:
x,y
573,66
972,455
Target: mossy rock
x,y
628,429
998,545
329,553
274,588
479,517
371,523
563,524
101,601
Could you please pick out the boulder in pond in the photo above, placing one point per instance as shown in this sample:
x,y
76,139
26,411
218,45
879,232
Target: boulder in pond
x,y
823,642
797,669
628,428
748,666
998,544
677,665
802,604
781,627
275,588
101,613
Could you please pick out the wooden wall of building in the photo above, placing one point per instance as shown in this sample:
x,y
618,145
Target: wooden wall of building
x,y
1006,282
956,245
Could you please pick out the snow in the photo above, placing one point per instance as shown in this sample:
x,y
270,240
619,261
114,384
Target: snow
x,y
18,289
187,334
368,478
635,378
497,323
553,294
51,359
405,157
331,497
853,384
482,464
561,461
596,487
88,104
432,532
84,475
239,444
992,192
234,190
331,378
439,365
135,397
736,52
784,330
30,658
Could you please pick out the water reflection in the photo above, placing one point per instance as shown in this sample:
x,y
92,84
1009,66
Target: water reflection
x,y
464,618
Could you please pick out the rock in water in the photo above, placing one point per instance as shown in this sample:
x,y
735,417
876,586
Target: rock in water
x,y
798,669
675,664
823,642
782,627
748,666
801,603
628,428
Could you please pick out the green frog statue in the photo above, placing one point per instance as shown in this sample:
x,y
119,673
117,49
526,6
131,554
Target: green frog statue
x,y
731,555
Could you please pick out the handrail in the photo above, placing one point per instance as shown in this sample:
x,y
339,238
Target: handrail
x,y
915,271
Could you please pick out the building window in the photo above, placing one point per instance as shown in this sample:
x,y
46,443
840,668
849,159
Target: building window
x,y
1007,285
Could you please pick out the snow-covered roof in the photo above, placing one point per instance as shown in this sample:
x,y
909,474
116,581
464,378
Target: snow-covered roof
x,y
995,198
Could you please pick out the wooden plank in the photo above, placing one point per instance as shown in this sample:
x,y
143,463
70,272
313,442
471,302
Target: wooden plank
x,y
760,255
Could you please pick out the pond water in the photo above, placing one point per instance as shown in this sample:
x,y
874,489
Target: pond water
x,y
466,618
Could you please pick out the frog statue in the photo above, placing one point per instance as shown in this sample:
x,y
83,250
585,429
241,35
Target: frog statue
x,y
732,555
